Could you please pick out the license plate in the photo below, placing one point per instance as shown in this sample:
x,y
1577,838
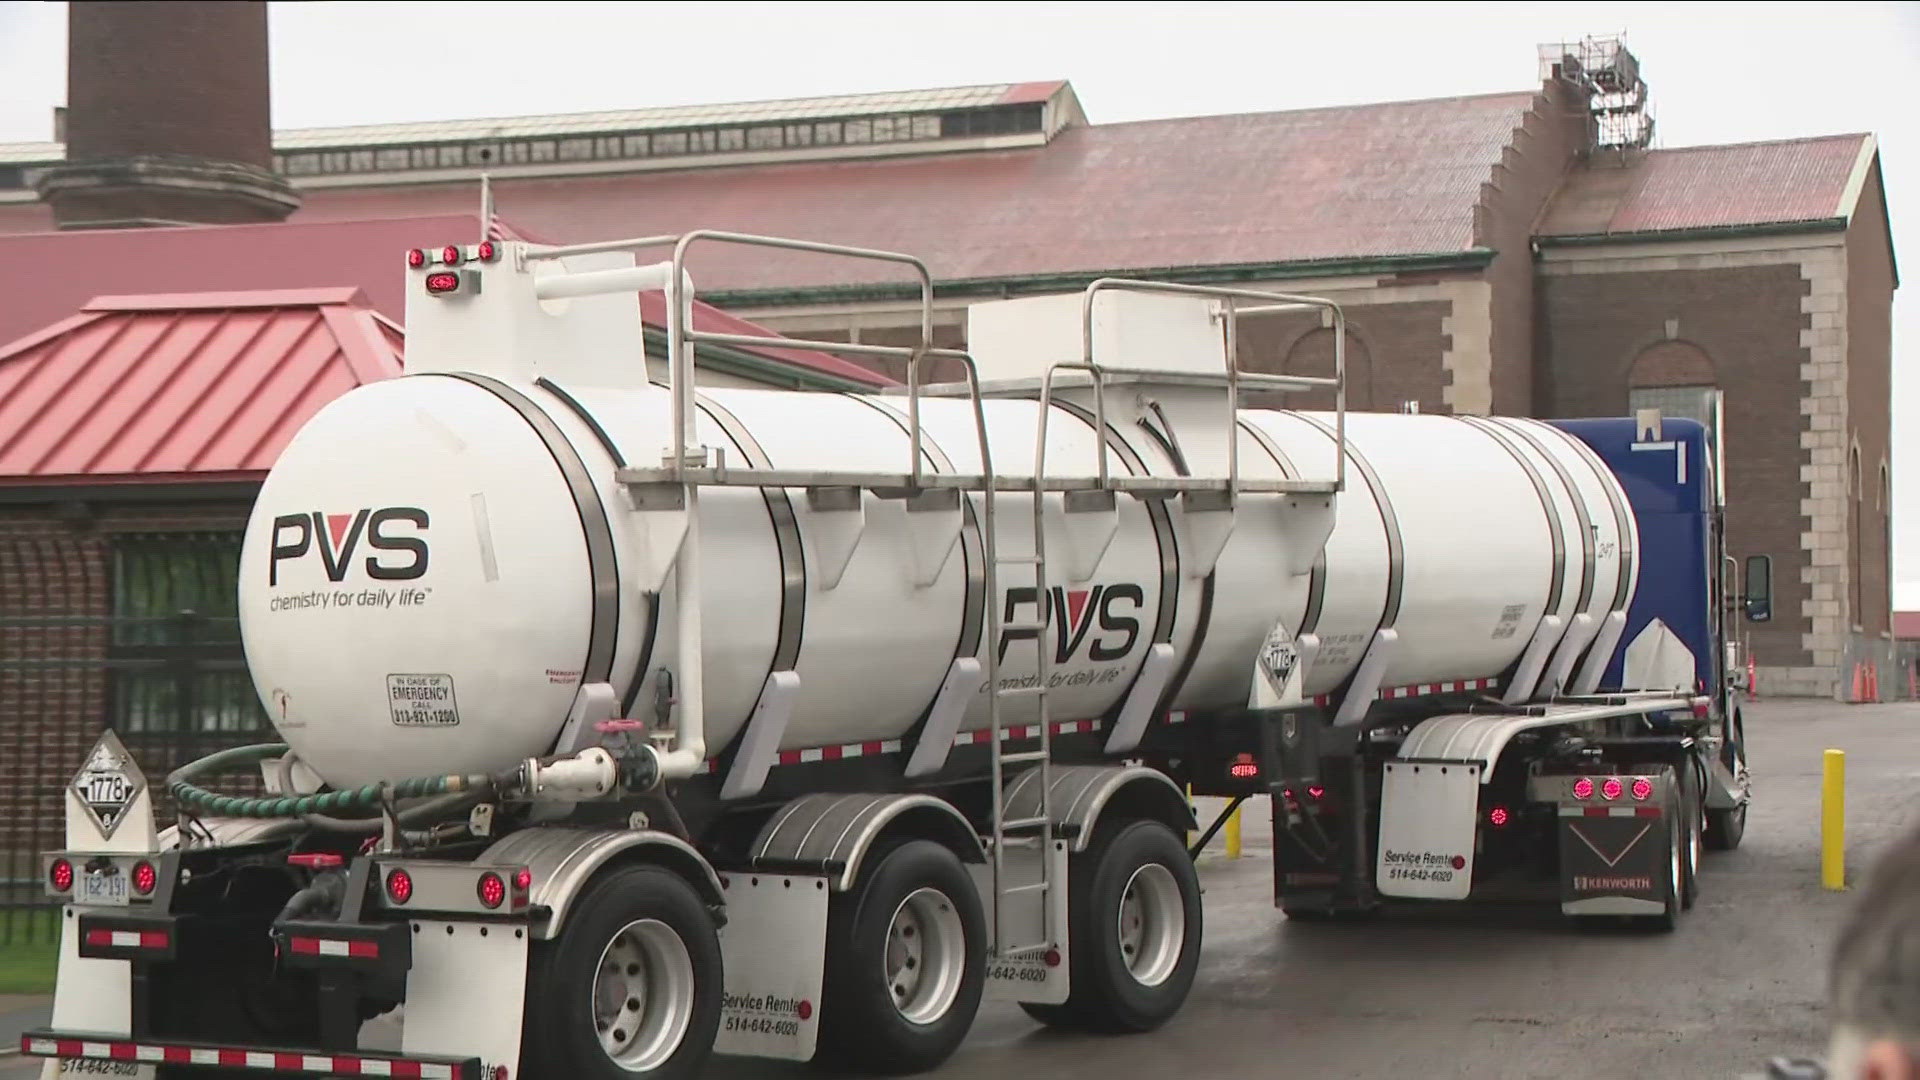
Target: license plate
x,y
104,889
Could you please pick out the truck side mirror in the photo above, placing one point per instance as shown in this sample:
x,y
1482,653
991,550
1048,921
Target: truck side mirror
x,y
1759,595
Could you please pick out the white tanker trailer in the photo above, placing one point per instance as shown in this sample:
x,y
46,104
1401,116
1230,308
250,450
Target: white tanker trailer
x,y
625,723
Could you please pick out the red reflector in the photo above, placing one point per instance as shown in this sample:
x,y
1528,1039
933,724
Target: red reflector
x,y
1610,788
61,875
145,877
488,252
127,939
1052,958
443,282
805,1009
523,879
1583,788
1497,817
492,889
1642,788
399,886
317,860
450,255
1646,811
416,258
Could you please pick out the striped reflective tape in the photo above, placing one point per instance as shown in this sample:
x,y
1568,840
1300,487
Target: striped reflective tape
x,y
313,946
1610,811
240,1058
127,939
1396,693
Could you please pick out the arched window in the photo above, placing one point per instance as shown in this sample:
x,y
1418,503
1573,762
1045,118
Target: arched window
x,y
1312,354
1677,378
1856,514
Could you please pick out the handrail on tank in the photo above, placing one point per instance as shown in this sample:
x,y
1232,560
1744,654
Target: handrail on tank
x,y
1278,302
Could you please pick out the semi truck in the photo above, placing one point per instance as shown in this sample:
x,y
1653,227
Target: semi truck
x,y
627,720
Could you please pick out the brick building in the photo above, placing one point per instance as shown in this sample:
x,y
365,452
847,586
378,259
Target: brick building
x,y
1517,253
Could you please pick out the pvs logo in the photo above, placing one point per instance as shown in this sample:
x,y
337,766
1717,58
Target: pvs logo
x,y
1112,609
400,552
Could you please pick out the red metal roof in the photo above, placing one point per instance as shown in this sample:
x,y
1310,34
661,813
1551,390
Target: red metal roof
x,y
1354,181
207,386
1906,625
52,274
1699,187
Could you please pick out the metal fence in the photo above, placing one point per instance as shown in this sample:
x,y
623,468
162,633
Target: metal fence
x,y
134,631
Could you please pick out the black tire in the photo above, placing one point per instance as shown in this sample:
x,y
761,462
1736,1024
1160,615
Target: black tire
x,y
1692,813
861,1027
562,1034
1676,838
1726,828
1107,996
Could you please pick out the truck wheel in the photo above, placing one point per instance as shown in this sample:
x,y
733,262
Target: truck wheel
x,y
906,962
1133,907
631,987
1675,819
1693,819
1725,828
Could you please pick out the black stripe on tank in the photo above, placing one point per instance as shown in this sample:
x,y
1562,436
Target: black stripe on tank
x,y
1205,615
602,565
1396,550
786,534
1524,429
1622,518
1162,527
1559,576
587,418
972,623
1317,575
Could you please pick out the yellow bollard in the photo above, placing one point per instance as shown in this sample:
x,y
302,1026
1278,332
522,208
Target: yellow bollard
x,y
1233,834
1833,820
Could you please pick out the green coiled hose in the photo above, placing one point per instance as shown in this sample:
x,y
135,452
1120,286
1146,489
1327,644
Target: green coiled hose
x,y
188,794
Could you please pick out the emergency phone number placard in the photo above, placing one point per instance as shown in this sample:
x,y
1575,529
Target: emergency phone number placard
x,y
422,700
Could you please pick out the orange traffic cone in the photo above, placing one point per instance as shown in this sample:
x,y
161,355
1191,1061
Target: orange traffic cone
x,y
1873,681
1859,693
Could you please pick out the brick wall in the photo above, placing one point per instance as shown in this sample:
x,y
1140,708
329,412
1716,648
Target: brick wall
x,y
1394,354
55,595
1747,322
1869,326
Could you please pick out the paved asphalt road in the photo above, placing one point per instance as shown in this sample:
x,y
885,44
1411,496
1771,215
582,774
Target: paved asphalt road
x,y
1509,992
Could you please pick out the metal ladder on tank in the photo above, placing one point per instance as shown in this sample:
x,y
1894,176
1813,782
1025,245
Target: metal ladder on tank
x,y
683,469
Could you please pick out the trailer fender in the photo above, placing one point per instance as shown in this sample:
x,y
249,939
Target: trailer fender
x,y
563,860
830,834
1082,793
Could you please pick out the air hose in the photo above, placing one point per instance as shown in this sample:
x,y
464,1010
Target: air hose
x,y
369,797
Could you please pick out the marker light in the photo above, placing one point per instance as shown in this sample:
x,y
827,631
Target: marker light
x,y
492,889
1642,788
1583,788
60,875
399,886
488,252
1497,817
1610,788
450,255
1316,793
145,877
416,258
523,880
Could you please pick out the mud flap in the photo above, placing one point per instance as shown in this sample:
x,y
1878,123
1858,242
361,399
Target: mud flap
x,y
466,992
1041,978
774,949
1428,812
1613,860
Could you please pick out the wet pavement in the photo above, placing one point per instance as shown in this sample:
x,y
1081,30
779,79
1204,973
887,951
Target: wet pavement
x,y
1506,991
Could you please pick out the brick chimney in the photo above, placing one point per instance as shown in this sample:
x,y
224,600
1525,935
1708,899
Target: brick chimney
x,y
167,118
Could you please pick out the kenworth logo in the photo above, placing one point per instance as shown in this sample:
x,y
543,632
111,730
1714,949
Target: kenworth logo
x,y
1113,607
336,536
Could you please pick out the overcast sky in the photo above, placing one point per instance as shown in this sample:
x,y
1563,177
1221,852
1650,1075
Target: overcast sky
x,y
1718,73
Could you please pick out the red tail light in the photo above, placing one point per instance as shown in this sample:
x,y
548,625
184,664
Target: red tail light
x,y
450,255
1243,768
1610,788
416,258
1316,793
492,889
1642,788
1498,817
60,875
523,880
444,281
145,877
1583,788
488,252
399,886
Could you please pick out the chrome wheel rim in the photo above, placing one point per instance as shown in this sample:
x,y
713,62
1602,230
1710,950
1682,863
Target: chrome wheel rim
x,y
1153,924
643,995
925,956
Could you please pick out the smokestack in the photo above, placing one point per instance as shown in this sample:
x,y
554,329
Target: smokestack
x,y
168,118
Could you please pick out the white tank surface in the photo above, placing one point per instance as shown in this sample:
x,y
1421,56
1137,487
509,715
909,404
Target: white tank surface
x,y
439,564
